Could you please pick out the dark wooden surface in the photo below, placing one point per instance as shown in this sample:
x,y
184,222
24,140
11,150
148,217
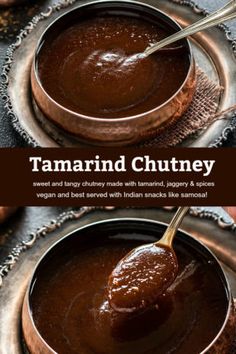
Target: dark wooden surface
x,y
13,19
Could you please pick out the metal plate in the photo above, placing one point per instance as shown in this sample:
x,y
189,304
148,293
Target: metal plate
x,y
213,51
218,235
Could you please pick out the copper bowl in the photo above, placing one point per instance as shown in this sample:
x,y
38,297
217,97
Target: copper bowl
x,y
35,343
115,131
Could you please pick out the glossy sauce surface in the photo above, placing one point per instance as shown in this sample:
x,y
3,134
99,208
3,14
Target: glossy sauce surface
x,y
72,314
141,277
93,68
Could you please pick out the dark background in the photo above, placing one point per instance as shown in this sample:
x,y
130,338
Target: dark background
x,y
12,20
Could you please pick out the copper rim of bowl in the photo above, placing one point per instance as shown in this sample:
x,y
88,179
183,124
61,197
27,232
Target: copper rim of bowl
x,y
225,335
124,130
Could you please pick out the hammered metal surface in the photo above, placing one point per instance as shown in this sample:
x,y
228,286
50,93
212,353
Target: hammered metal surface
x,y
213,52
214,233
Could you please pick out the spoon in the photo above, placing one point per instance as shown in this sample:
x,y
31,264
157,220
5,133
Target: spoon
x,y
225,13
146,272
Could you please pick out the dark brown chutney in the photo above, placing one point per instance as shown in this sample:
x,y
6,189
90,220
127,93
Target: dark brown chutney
x,y
92,67
72,314
141,277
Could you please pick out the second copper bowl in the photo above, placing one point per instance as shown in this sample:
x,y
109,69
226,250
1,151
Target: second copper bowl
x,y
125,229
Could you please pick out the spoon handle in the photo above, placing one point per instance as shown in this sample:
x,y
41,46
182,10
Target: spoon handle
x,y
225,13
171,230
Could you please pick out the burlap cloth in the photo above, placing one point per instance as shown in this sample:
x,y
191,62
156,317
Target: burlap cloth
x,y
199,115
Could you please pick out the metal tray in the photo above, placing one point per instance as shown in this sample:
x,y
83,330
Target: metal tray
x,y
218,233
214,52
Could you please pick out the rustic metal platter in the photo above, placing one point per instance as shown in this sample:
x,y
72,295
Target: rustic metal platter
x,y
214,52
218,233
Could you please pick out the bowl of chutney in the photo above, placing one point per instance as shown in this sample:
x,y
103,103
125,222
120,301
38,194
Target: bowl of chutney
x,y
66,309
89,79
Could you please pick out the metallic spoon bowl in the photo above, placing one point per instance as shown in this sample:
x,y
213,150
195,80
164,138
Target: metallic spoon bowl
x,y
146,272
